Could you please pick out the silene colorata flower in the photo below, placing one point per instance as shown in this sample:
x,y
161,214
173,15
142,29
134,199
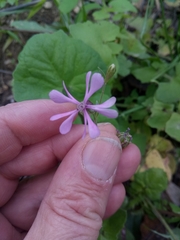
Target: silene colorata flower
x,y
93,83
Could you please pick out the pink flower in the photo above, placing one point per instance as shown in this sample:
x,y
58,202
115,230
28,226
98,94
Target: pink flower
x,y
95,82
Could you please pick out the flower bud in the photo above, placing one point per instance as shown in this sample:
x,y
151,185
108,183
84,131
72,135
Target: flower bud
x,y
110,72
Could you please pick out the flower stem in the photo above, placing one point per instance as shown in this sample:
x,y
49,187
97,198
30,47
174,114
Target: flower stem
x,y
110,72
165,28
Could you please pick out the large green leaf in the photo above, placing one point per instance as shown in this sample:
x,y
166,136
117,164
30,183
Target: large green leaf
x,y
150,183
47,60
98,36
173,126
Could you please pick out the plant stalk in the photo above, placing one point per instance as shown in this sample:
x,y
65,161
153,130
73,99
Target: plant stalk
x,y
165,28
161,219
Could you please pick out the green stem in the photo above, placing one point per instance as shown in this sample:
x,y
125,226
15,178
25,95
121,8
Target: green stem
x,y
161,219
84,12
165,27
100,100
161,73
149,7
131,110
110,72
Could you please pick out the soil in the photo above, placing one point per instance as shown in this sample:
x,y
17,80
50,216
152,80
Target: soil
x,y
10,49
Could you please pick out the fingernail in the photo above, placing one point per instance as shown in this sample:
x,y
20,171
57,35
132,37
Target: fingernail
x,y
101,156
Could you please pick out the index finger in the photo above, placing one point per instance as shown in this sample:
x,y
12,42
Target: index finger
x,y
26,123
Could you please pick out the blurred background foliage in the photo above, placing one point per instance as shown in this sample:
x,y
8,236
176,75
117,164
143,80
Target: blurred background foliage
x,y
44,42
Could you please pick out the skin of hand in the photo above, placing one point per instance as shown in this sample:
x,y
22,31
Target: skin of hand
x,y
60,201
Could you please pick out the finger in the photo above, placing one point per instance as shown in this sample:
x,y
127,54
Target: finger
x,y
131,157
35,159
7,231
22,208
76,199
28,197
115,200
26,123
25,202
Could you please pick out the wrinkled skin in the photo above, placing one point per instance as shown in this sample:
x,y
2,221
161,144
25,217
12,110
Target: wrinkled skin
x,y
59,201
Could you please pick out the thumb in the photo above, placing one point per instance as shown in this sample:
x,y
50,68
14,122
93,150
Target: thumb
x,y
76,200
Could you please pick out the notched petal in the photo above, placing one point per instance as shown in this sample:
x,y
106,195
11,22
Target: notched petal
x,y
109,103
67,124
58,97
97,81
92,127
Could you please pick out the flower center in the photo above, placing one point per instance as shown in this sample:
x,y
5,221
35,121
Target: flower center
x,y
81,107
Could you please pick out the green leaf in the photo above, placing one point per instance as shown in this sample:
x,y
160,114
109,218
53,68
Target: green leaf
x,y
122,6
175,208
116,48
31,26
145,74
3,3
124,65
132,46
36,8
66,6
154,181
161,112
113,225
97,35
138,23
173,126
101,14
12,1
168,92
141,141
47,60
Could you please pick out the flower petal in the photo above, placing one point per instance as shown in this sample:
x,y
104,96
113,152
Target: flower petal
x,y
110,113
92,127
109,103
61,115
67,124
69,95
88,77
97,81
58,97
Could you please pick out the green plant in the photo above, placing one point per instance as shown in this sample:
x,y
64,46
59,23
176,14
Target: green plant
x,y
145,50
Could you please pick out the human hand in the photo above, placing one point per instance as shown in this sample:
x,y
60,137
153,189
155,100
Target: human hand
x,y
66,201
